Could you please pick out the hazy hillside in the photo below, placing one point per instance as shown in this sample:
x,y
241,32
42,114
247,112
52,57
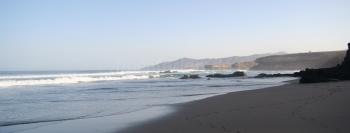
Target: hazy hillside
x,y
188,63
300,61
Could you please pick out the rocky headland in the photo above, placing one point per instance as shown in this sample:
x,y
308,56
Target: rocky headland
x,y
336,73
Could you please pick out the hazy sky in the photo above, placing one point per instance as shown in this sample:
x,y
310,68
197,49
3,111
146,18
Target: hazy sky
x,y
119,34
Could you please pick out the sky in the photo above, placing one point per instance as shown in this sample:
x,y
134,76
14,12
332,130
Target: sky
x,y
130,34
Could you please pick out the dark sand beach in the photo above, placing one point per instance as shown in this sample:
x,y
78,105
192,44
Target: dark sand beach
x,y
292,108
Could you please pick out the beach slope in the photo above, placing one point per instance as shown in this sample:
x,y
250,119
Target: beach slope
x,y
292,108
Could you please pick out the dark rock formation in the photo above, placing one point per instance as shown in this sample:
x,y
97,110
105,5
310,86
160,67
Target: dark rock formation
x,y
318,75
235,74
168,71
264,75
339,72
190,77
345,66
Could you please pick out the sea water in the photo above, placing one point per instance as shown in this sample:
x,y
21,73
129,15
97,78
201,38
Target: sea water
x,y
104,101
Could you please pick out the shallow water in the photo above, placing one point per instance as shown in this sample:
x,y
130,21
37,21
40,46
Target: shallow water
x,y
103,101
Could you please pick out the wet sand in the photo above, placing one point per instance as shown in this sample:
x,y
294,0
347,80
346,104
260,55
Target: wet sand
x,y
292,108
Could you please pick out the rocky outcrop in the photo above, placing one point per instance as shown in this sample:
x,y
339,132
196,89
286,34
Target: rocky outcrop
x,y
264,75
168,71
235,74
339,72
193,76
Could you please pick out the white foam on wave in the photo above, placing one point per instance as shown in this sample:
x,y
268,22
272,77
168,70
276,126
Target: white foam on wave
x,y
25,80
71,78
75,74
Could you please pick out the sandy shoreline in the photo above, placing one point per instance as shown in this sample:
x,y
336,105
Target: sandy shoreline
x,y
292,108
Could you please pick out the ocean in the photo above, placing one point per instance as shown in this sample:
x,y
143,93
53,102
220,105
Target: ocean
x,y
105,101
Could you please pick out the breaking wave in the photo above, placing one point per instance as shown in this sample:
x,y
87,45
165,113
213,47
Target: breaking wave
x,y
49,79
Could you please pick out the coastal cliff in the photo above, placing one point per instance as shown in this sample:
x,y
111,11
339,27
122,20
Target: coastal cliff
x,y
300,61
275,61
188,63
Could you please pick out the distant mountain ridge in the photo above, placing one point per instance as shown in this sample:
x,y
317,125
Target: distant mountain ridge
x,y
188,63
